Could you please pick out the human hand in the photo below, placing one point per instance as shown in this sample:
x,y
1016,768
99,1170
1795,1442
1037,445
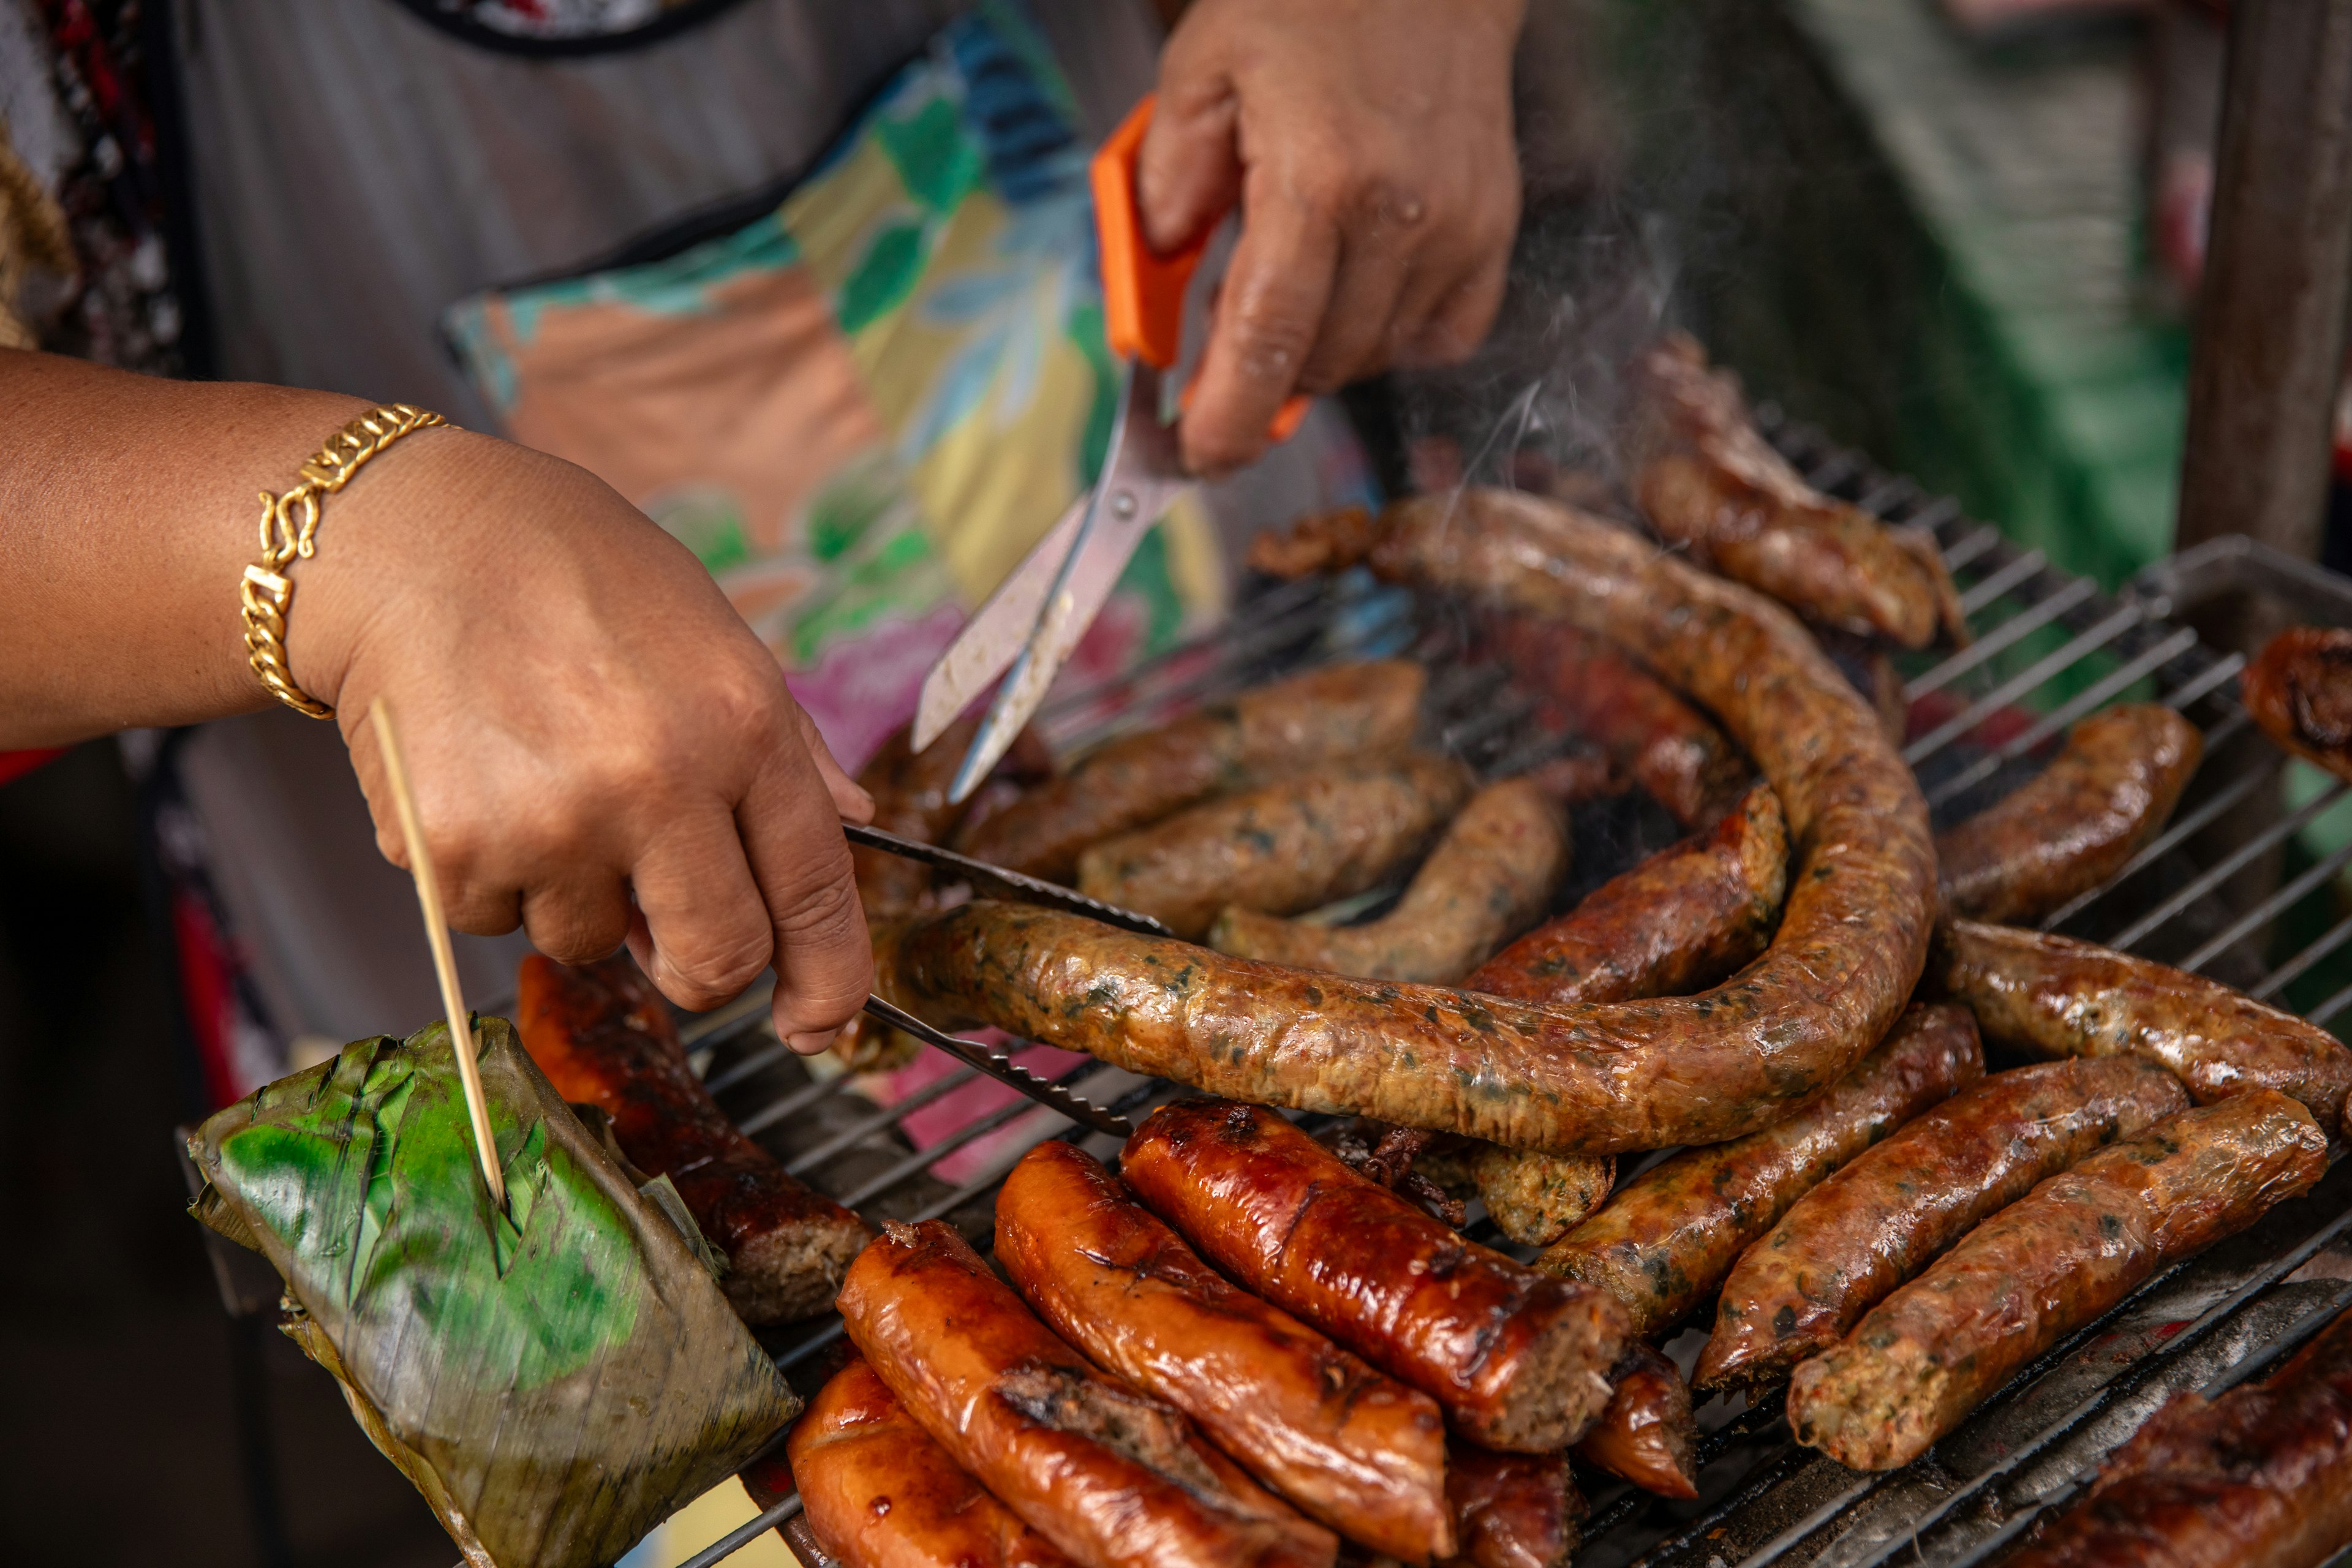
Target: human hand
x,y
600,748
1369,144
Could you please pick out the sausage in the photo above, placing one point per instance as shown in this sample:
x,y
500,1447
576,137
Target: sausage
x,y
603,1037
1518,1360
1488,878
2299,689
1355,1449
1873,1225
1664,1242
1512,1511
1334,714
1680,919
1534,1198
1595,691
2071,1248
880,1494
1280,847
2107,792
2055,996
1582,1079
1108,1474
1711,483
2261,1477
1647,1435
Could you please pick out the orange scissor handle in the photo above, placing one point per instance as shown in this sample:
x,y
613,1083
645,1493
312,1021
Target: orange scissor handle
x,y
1143,291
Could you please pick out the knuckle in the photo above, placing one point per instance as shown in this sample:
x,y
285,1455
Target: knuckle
x,y
709,974
826,909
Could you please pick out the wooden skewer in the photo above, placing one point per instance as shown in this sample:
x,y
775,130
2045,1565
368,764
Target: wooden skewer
x,y
445,962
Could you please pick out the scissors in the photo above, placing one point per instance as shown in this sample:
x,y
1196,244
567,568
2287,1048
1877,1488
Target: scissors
x,y
1029,627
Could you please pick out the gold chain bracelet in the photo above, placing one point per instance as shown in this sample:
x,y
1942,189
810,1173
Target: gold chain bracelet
x,y
290,527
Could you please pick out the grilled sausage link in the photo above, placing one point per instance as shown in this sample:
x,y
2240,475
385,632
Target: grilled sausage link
x,y
2299,689
2056,996
880,1494
1512,1511
2261,1477
2071,1248
1647,1435
1361,1453
1711,482
1335,714
2108,791
1663,1242
1680,919
1585,1080
1867,1228
1108,1475
1533,1198
1518,1360
1490,878
1280,847
603,1037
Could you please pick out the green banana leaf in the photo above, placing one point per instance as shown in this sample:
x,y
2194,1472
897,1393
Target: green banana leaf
x,y
555,1380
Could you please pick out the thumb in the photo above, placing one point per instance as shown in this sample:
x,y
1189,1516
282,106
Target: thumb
x,y
1189,170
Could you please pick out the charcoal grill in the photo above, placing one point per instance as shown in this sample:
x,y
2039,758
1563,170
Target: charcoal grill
x,y
2224,889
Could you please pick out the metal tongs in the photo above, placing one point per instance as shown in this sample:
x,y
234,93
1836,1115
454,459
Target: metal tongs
x,y
1031,623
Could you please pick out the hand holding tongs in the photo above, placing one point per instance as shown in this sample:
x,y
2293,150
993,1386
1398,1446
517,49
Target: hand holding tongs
x,y
1034,619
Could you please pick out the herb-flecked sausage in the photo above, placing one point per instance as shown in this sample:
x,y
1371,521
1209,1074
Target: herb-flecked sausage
x,y
2056,996
1512,1511
2108,791
1355,1449
1109,1476
1334,714
1591,1079
1665,1241
880,1494
2299,689
1646,1435
1280,847
1868,1227
1518,1360
1489,876
2069,1251
604,1036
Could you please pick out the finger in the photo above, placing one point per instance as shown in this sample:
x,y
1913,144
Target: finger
x,y
823,957
849,797
470,901
705,930
579,919
1461,323
1188,172
1272,300
1376,261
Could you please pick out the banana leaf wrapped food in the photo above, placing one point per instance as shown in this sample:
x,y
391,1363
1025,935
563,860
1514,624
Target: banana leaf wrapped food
x,y
556,1379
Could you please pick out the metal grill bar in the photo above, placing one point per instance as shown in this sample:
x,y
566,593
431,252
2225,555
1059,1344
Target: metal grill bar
x,y
2229,866
2031,679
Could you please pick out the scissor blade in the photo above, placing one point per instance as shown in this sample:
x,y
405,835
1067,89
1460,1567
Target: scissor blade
x,y
995,636
996,880
994,1061
1142,474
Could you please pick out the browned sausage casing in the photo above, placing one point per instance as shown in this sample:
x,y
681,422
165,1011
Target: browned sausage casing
x,y
1710,481
1280,847
603,1037
1585,1080
1512,1511
1108,1474
2014,1286
1489,876
2108,791
1683,919
1519,1360
1665,1241
2056,996
1647,1435
1845,1245
1360,1452
2299,689
1330,715
880,1494
2261,1477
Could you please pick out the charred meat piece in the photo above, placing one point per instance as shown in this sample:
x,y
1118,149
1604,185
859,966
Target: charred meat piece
x,y
1518,1360
1339,713
1848,1242
2071,1248
1711,483
1646,1435
1490,878
1108,1475
1512,1511
2108,791
2056,996
1355,1449
603,1037
2299,689
1665,1241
